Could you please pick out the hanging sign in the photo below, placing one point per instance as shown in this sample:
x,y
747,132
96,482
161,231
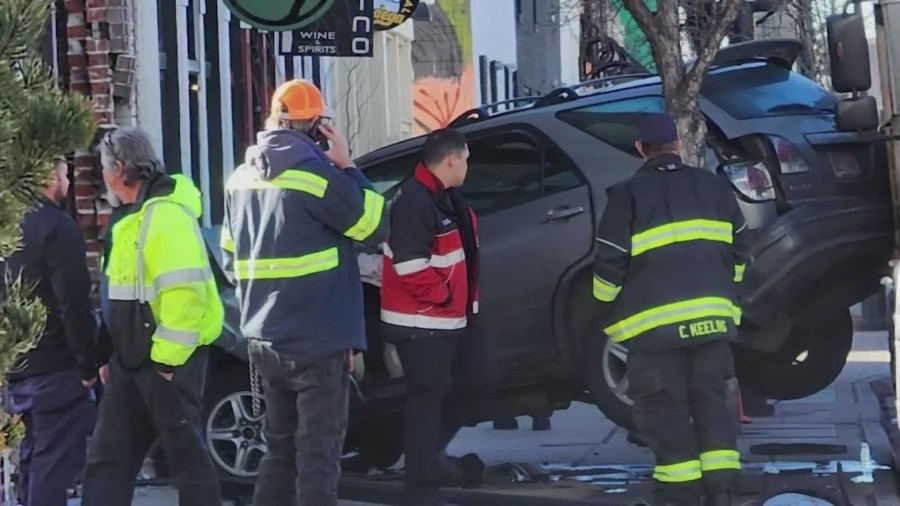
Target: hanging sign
x,y
312,27
393,13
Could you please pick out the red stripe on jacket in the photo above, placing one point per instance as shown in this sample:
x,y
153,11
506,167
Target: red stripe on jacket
x,y
425,277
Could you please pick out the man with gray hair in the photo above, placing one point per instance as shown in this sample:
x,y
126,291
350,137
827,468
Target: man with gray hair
x,y
163,311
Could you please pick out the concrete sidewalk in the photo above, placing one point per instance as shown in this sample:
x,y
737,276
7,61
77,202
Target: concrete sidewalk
x,y
797,446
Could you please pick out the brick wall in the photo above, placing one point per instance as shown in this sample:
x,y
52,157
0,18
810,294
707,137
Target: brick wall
x,y
99,65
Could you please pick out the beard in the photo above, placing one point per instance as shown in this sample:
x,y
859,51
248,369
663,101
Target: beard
x,y
112,199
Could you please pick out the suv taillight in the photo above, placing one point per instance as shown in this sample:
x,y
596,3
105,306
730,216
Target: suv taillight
x,y
790,160
751,179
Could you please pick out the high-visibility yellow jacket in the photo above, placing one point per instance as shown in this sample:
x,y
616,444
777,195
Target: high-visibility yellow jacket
x,y
160,232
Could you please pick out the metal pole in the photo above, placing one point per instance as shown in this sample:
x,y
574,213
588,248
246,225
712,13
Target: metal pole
x,y
895,325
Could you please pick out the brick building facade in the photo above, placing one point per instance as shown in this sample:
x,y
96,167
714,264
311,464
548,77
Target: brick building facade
x,y
198,81
94,60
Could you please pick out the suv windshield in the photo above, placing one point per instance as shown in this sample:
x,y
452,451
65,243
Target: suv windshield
x,y
762,90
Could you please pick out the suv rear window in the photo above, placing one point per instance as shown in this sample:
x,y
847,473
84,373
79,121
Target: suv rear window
x,y
615,123
762,90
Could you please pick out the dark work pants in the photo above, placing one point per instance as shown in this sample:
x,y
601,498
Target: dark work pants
x,y
307,404
682,411
58,416
137,407
459,363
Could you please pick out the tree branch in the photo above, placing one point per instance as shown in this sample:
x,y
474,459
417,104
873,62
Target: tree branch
x,y
712,39
644,19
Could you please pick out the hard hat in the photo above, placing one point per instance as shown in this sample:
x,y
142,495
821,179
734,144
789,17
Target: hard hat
x,y
297,100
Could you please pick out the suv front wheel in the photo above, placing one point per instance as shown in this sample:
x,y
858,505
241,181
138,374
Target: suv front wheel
x,y
607,380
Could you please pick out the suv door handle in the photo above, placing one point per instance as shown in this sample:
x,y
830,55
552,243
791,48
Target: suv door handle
x,y
563,213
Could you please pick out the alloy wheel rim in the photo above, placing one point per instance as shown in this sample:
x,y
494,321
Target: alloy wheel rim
x,y
615,367
235,437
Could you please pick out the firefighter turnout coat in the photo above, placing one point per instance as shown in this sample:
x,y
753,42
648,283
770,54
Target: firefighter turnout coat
x,y
291,221
672,248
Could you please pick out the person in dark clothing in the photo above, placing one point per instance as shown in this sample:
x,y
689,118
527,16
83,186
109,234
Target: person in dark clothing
x,y
293,212
429,306
50,385
672,248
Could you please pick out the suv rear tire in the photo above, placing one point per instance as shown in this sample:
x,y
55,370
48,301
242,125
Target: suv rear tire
x,y
825,341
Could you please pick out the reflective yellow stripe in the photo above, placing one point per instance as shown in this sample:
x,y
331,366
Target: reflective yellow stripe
x,y
226,241
302,181
681,231
739,272
183,337
605,291
371,217
161,282
668,314
279,268
718,460
298,180
678,473
181,277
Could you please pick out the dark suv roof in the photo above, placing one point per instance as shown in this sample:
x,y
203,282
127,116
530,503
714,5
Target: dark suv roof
x,y
781,52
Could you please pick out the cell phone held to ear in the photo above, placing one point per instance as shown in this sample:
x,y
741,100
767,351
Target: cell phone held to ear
x,y
317,136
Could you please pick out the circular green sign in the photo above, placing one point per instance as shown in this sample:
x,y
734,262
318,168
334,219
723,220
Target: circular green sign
x,y
279,15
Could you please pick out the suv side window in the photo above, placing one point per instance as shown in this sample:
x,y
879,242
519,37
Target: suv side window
x,y
385,176
505,170
615,123
511,169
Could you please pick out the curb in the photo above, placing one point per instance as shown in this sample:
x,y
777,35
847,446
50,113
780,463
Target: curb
x,y
884,391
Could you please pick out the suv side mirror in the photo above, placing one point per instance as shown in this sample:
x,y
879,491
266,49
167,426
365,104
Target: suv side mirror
x,y
848,53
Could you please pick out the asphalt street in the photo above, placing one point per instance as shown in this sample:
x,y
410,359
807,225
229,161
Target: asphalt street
x,y
811,445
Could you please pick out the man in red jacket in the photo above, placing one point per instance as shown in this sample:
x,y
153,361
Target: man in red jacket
x,y
429,301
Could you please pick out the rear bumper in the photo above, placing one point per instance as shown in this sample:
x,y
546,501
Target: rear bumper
x,y
818,256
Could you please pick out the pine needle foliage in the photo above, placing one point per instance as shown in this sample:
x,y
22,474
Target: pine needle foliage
x,y
38,122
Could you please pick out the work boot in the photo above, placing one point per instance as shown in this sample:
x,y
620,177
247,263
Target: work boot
x,y
540,423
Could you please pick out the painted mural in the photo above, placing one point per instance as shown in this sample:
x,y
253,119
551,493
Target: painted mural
x,y
444,83
633,39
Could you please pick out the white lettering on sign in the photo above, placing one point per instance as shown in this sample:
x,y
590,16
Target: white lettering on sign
x,y
319,35
360,43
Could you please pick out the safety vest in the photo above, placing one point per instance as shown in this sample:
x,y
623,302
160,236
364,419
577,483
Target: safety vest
x,y
163,236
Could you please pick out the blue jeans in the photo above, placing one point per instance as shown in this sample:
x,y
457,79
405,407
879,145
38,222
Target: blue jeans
x,y
58,416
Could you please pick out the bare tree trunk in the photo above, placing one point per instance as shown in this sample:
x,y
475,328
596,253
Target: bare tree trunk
x,y
681,86
801,11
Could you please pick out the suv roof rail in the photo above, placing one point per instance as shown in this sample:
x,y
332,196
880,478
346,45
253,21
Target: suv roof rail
x,y
566,93
484,111
511,101
612,79
557,96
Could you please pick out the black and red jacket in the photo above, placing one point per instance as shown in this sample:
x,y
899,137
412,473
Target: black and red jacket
x,y
430,276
